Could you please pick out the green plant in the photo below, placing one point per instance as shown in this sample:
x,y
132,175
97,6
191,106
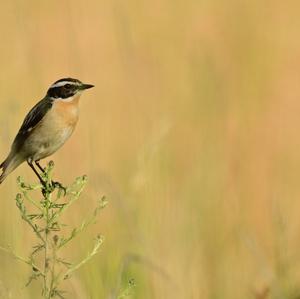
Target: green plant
x,y
128,291
44,218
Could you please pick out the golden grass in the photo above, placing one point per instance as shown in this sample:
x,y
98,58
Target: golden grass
x,y
192,133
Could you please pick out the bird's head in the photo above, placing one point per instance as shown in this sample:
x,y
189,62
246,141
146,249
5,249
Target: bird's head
x,y
66,89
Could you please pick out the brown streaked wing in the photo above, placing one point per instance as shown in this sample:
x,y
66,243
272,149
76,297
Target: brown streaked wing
x,y
34,116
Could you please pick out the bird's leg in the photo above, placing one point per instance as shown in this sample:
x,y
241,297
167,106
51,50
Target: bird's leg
x,y
29,162
53,183
37,163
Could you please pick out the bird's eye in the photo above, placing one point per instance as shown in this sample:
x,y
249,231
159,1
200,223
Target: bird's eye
x,y
67,86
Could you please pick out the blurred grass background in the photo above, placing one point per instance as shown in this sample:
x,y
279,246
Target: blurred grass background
x,y
192,133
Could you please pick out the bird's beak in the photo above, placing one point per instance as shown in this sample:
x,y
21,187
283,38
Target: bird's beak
x,y
85,86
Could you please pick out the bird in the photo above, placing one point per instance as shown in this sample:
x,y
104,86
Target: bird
x,y
46,127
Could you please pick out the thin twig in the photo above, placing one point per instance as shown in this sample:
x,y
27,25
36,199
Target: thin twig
x,y
22,259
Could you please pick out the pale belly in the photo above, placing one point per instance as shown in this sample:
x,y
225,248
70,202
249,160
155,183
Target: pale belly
x,y
51,133
44,143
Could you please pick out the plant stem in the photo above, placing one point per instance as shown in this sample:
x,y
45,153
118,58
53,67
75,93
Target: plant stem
x,y
47,279
45,261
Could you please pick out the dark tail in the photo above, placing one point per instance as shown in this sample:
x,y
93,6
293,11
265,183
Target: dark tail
x,y
2,177
8,165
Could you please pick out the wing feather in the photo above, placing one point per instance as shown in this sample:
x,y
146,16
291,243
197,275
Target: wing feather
x,y
31,120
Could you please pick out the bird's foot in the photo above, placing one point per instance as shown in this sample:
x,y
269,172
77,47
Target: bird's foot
x,y
49,188
59,186
44,192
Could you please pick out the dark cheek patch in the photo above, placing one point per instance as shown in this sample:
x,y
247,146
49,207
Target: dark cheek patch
x,y
61,92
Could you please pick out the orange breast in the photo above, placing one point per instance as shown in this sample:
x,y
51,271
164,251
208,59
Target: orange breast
x,y
67,112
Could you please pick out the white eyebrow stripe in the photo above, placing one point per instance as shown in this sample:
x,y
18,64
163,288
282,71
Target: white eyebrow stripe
x,y
62,83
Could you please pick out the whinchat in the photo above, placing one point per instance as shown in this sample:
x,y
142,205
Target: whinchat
x,y
46,127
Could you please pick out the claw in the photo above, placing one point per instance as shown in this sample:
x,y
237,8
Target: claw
x,y
50,188
44,192
59,186
44,189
